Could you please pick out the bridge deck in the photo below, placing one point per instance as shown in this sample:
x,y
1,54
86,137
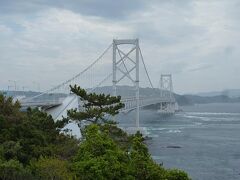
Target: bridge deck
x,y
130,103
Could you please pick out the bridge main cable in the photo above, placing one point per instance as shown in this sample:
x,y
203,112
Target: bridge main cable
x,y
74,77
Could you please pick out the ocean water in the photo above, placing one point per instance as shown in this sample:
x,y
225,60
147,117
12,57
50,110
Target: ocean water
x,y
203,140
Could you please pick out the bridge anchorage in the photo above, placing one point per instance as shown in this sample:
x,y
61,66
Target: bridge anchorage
x,y
125,65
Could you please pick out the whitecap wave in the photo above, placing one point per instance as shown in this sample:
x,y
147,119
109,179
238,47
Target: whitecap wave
x,y
213,113
197,117
157,157
156,129
153,135
174,131
212,118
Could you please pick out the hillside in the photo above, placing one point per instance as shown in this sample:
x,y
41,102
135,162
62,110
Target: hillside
x,y
233,93
129,91
194,99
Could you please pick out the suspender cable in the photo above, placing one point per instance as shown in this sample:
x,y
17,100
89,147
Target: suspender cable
x,y
145,68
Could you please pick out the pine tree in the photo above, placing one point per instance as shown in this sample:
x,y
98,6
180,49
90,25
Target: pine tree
x,y
96,106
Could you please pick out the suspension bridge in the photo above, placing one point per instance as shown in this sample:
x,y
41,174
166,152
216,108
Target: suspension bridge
x,y
125,60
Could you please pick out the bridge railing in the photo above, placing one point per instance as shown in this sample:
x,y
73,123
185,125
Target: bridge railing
x,y
39,103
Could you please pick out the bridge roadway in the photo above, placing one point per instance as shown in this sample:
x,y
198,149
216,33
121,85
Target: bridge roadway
x,y
44,104
130,102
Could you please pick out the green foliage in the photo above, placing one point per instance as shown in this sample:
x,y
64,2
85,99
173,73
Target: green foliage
x,y
33,147
96,106
13,170
100,158
8,107
120,137
143,165
26,136
175,174
51,168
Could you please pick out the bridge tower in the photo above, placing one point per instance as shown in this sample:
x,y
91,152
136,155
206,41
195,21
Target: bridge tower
x,y
166,93
124,58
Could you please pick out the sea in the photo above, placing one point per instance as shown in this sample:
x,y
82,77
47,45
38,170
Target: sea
x,y
203,139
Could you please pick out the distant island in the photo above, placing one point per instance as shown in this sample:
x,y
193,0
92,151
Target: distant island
x,y
184,100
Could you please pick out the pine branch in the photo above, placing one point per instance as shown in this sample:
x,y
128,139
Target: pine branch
x,y
96,106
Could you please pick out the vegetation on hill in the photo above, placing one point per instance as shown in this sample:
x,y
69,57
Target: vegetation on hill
x,y
228,96
33,146
194,99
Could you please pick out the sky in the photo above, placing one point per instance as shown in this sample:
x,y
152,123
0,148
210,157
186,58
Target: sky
x,y
43,43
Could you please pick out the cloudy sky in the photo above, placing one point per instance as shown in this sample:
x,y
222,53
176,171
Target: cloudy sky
x,y
46,42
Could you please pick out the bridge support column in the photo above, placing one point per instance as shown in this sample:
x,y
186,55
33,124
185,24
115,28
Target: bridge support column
x,y
137,84
126,72
114,70
166,92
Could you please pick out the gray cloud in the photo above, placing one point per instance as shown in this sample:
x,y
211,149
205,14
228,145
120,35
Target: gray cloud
x,y
103,8
194,40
